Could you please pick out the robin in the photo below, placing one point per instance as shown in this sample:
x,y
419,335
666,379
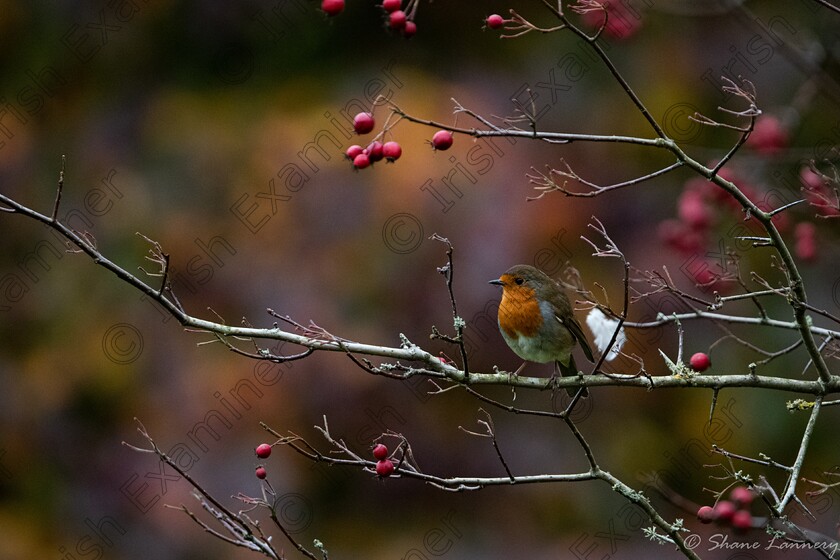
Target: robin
x,y
537,322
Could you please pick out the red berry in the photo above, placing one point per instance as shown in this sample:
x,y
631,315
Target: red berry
x,y
741,521
392,151
742,496
384,467
692,209
380,452
391,5
361,161
810,179
706,514
705,279
768,137
806,241
495,21
700,362
712,194
409,30
374,151
397,19
680,237
621,21
442,140
263,451
724,510
332,7
353,151
363,123
260,472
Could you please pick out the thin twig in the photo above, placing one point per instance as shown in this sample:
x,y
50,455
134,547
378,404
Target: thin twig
x,y
54,216
448,271
491,433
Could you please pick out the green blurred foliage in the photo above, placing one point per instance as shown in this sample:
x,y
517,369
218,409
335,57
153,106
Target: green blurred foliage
x,y
177,115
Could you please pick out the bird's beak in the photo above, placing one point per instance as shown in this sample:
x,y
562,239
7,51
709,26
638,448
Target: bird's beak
x,y
496,282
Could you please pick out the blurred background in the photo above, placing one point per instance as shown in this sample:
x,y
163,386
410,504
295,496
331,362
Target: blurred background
x,y
218,129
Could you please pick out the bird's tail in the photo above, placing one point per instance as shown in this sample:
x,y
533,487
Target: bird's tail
x,y
570,370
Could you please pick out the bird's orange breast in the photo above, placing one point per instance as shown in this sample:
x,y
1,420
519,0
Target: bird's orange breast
x,y
519,312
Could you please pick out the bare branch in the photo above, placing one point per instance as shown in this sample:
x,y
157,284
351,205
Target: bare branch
x,y
545,182
829,5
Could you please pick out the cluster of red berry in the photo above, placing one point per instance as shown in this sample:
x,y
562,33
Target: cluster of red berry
x,y
391,151
698,210
734,512
263,451
384,466
701,203
398,20
770,137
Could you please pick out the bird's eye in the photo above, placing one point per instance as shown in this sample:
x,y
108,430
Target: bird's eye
x,y
519,281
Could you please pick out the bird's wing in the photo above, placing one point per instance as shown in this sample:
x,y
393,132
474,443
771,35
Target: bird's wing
x,y
577,332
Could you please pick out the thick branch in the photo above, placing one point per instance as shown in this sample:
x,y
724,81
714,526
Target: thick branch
x,y
437,368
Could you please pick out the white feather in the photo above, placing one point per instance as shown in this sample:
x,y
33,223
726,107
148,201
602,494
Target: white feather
x,y
602,328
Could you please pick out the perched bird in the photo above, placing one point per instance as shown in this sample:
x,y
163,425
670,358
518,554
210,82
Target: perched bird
x,y
537,321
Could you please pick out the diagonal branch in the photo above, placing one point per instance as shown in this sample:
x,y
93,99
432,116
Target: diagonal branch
x,y
790,488
605,59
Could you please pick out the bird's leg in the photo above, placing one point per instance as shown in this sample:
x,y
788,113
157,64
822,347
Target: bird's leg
x,y
516,373
555,375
